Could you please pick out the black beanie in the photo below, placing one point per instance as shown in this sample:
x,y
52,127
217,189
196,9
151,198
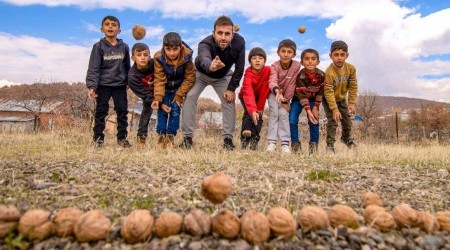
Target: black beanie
x,y
257,51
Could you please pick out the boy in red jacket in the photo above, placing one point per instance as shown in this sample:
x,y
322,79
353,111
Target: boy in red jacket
x,y
253,96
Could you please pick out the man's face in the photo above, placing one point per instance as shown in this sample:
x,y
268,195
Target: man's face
x,y
223,34
141,58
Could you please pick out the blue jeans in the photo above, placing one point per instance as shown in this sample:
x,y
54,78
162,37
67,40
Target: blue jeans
x,y
169,123
294,113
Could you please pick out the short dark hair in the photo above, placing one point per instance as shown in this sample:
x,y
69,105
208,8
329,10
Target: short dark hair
x,y
288,43
172,39
339,45
309,50
138,47
112,18
257,51
223,21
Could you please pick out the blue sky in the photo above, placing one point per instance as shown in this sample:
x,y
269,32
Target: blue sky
x,y
404,51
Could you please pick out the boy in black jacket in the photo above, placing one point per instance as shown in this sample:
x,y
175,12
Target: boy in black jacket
x,y
106,77
140,80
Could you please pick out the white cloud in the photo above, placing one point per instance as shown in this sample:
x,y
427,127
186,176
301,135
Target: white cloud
x,y
4,82
31,59
388,49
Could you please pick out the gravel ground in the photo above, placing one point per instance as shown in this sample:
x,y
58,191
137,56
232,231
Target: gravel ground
x,y
91,184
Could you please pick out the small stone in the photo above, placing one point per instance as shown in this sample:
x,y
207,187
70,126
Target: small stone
x,y
433,242
195,245
400,243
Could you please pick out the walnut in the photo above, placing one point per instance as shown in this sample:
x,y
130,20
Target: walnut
x,y
428,222
255,227
217,187
6,227
281,222
137,226
371,198
443,218
168,223
64,221
405,216
377,217
35,224
226,224
197,223
92,226
343,215
9,213
312,218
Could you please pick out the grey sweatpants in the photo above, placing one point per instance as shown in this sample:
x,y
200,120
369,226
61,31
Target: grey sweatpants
x,y
278,121
190,104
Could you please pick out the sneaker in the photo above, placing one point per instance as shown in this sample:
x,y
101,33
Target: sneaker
x,y
253,145
244,143
348,142
124,143
161,141
271,147
187,143
246,133
285,149
330,148
313,148
296,147
99,143
228,144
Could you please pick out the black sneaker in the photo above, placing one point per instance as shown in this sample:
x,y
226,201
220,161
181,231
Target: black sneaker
x,y
228,144
187,143
124,143
348,142
330,148
98,143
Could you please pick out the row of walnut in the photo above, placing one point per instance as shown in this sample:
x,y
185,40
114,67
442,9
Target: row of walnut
x,y
253,226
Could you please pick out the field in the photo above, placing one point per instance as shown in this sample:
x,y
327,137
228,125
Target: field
x,y
54,170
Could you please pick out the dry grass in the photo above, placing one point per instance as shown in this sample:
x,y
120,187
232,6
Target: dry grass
x,y
55,170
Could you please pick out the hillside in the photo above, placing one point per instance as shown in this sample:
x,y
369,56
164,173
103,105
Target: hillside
x,y
390,102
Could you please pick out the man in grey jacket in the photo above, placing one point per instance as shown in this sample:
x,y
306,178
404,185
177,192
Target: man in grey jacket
x,y
217,53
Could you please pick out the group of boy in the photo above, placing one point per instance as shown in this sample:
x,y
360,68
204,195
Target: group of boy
x,y
172,79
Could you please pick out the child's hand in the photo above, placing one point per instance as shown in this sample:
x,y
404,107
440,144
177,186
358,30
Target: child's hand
x,y
315,111
165,108
155,104
279,96
91,94
286,106
255,117
337,116
352,109
216,64
311,117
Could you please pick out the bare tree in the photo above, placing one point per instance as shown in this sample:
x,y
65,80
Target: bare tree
x,y
369,108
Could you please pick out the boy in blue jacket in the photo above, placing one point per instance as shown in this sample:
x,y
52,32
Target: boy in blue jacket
x,y
174,77
106,77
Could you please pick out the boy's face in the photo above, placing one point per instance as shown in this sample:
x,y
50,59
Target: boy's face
x,y
141,58
286,54
110,28
223,34
172,52
338,57
310,61
257,63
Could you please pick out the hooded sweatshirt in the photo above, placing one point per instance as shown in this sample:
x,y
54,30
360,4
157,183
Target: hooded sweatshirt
x,y
108,64
255,89
141,82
